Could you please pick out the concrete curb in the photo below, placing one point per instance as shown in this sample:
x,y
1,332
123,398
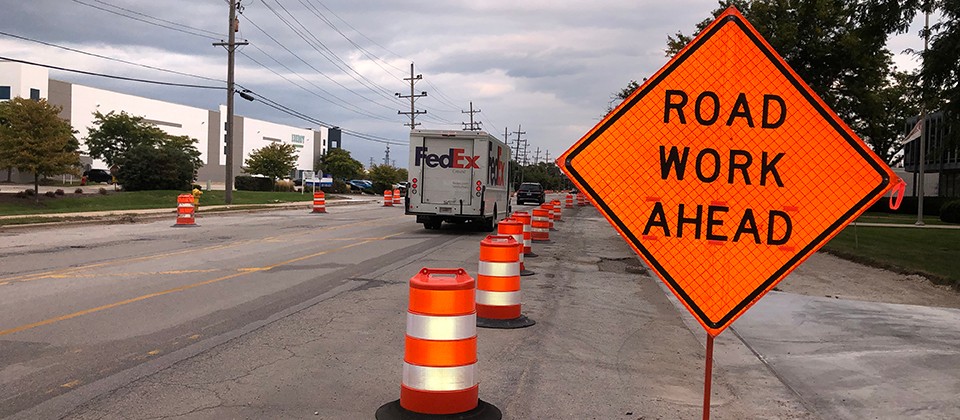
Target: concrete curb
x,y
135,216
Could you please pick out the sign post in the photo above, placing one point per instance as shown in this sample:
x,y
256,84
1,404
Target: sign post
x,y
744,173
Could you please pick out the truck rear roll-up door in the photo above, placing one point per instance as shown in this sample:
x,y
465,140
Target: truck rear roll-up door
x,y
447,165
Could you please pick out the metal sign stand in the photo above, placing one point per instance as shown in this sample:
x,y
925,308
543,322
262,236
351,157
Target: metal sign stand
x,y
707,376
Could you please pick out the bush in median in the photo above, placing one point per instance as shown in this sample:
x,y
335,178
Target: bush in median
x,y
950,211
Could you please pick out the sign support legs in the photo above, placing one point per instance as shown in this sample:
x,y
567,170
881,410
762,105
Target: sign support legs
x,y
707,376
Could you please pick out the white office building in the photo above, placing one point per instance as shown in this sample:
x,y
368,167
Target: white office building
x,y
207,126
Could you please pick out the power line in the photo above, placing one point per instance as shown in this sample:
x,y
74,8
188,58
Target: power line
x,y
292,112
345,105
110,76
110,58
149,22
311,66
327,53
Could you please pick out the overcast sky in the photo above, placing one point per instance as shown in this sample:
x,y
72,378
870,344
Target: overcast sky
x,y
546,65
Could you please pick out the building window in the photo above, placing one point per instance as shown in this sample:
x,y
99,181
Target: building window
x,y
4,92
35,94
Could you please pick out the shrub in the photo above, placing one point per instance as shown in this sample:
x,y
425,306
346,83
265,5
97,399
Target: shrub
x,y
50,194
950,211
145,167
284,185
22,194
910,204
78,191
58,192
30,193
253,183
102,191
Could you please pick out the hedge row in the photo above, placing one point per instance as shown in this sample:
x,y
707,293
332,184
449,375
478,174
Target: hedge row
x,y
931,205
253,183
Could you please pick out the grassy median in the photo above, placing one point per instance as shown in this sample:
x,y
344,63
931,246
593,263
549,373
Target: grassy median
x,y
930,252
132,200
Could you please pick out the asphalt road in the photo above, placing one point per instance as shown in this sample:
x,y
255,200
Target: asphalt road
x,y
81,304
288,314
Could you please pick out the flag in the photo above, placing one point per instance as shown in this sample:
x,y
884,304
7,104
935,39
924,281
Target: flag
x,y
913,134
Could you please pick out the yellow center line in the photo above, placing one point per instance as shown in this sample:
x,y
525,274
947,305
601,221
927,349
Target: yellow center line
x,y
179,289
68,272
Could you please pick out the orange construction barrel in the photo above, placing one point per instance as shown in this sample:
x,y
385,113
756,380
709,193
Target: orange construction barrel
x,y
540,225
498,284
185,211
319,202
440,351
387,198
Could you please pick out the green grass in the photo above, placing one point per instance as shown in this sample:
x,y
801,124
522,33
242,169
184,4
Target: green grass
x,y
934,253
71,203
898,219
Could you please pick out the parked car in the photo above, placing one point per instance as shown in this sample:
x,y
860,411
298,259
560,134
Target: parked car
x,y
309,183
98,175
362,185
530,191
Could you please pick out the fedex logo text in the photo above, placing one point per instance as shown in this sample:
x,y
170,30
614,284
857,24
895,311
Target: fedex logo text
x,y
454,159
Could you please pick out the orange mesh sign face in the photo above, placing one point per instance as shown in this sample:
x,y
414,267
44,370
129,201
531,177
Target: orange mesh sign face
x,y
724,171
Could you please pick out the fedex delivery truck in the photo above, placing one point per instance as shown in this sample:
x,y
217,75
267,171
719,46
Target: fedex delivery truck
x,y
458,177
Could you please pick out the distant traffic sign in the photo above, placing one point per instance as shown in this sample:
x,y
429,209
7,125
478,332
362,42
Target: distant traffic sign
x,y
725,171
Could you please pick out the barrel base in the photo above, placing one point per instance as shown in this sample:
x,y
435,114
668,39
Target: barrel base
x,y
507,324
186,225
525,272
393,411
530,255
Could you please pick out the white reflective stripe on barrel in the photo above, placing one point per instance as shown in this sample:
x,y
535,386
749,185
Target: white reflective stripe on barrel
x,y
485,297
185,205
519,238
185,216
499,269
441,327
440,378
541,230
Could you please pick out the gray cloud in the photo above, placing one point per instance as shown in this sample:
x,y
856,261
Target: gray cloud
x,y
549,65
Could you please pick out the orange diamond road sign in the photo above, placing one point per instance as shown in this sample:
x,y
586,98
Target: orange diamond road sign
x,y
725,171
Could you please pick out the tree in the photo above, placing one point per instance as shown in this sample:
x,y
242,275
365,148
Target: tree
x,y
622,94
114,136
339,164
149,167
34,139
940,69
385,176
274,161
838,48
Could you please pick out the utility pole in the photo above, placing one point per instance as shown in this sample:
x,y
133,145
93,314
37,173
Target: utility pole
x,y
231,46
520,162
386,156
473,126
923,118
413,97
536,156
371,161
547,158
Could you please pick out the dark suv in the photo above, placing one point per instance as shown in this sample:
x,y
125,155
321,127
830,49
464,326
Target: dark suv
x,y
530,191
98,175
